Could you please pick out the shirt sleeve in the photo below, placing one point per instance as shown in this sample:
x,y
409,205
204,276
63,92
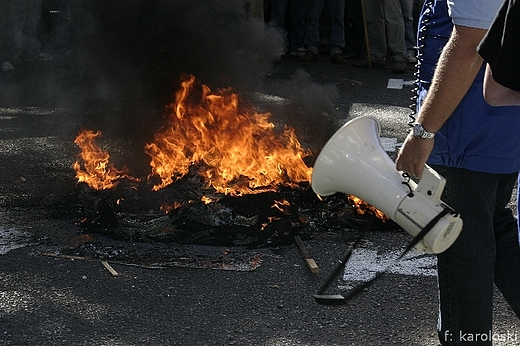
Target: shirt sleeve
x,y
475,13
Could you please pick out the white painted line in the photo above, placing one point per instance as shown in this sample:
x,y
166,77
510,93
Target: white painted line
x,y
364,264
395,83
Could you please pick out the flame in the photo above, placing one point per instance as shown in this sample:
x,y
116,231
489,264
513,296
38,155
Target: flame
x,y
270,219
283,206
166,208
208,200
237,148
93,166
362,207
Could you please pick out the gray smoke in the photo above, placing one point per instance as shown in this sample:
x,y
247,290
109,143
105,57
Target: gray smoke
x,y
133,52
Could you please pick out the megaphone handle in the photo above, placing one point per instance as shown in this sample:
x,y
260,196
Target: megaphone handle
x,y
426,229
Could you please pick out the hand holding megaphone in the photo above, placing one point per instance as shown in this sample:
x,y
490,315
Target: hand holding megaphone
x,y
354,162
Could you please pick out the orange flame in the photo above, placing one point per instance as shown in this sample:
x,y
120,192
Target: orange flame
x,y
362,207
94,168
208,200
239,149
283,206
166,208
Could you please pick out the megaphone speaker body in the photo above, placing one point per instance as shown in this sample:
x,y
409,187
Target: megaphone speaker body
x,y
354,162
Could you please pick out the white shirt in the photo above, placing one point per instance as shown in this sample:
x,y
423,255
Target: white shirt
x,y
475,13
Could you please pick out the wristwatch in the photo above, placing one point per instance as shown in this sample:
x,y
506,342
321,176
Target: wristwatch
x,y
418,131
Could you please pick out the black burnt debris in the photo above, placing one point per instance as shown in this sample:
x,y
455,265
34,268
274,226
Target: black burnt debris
x,y
187,213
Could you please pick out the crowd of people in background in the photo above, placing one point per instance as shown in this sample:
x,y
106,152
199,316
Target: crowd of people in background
x,y
40,29
33,30
338,28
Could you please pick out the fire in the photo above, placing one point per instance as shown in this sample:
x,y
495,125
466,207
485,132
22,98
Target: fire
x,y
362,207
235,149
93,167
166,208
208,200
270,220
238,150
282,206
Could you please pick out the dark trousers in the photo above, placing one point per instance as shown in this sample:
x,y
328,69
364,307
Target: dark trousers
x,y
487,252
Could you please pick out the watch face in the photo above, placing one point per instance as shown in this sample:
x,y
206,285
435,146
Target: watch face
x,y
418,130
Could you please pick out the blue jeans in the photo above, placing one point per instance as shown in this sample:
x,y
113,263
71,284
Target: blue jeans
x,y
487,252
298,10
337,26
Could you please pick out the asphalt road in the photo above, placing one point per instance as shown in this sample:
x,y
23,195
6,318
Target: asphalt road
x,y
49,296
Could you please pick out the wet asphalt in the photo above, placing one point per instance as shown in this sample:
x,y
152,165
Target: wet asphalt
x,y
47,298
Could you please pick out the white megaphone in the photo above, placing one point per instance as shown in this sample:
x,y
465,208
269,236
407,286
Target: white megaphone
x,y
354,162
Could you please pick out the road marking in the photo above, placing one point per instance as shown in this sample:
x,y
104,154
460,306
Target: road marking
x,y
364,264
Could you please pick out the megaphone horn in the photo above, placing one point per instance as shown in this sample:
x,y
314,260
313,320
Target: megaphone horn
x,y
354,162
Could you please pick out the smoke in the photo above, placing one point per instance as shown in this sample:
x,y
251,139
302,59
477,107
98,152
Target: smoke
x,y
132,53
310,109
311,96
140,47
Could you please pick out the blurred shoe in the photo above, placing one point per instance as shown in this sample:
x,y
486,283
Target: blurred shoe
x,y
43,57
399,66
364,64
411,58
309,56
299,52
7,66
338,59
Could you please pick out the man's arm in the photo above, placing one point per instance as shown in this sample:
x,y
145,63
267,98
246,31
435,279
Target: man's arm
x,y
456,70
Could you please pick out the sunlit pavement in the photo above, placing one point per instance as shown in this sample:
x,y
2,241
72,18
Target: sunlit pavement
x,y
51,300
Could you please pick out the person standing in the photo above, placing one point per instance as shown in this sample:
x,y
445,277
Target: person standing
x,y
500,48
386,34
24,16
62,30
298,10
476,147
409,30
337,31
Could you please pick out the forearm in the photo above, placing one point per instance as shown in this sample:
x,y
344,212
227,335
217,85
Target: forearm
x,y
457,68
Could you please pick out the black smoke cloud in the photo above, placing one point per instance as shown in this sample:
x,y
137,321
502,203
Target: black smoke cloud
x,y
137,48
133,52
